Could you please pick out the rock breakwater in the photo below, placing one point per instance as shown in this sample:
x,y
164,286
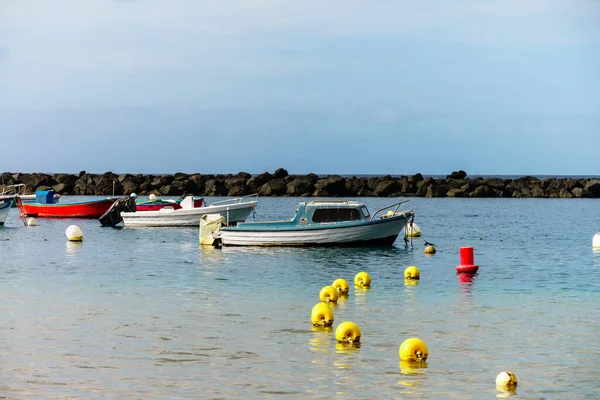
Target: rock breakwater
x,y
280,183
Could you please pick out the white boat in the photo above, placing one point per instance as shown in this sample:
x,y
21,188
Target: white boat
x,y
7,199
233,210
322,223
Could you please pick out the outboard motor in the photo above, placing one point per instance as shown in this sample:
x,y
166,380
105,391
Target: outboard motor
x,y
113,215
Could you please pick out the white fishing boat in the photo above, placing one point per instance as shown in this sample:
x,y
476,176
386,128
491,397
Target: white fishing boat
x,y
323,223
233,210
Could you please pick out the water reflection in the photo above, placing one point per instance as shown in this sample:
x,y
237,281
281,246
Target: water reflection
x,y
506,392
346,348
412,367
72,248
360,295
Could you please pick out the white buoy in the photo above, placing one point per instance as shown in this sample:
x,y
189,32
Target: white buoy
x,y
31,221
74,233
152,197
413,230
596,241
133,196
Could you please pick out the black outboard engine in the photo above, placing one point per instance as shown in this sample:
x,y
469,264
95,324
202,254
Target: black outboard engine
x,y
113,215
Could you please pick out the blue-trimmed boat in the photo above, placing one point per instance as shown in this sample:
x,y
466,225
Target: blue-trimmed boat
x,y
323,223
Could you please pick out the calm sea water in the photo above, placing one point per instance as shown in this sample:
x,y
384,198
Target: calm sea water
x,y
147,313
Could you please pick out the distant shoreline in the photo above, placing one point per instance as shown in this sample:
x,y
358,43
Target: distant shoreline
x,y
280,183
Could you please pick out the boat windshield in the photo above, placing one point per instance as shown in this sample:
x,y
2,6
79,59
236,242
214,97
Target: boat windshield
x,y
365,212
335,214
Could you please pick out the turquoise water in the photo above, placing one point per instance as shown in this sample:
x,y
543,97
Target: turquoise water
x,y
146,313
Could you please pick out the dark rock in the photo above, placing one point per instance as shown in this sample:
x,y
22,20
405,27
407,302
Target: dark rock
x,y
333,185
215,187
385,187
581,193
457,175
301,184
162,180
483,191
414,179
108,185
571,184
565,194
495,183
456,193
435,190
36,180
180,176
197,182
356,186
277,187
81,173
280,173
593,186
256,182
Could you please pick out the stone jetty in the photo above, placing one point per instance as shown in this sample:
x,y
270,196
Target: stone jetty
x,y
280,183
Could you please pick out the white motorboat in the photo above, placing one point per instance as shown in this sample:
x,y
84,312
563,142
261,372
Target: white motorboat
x,y
323,223
233,210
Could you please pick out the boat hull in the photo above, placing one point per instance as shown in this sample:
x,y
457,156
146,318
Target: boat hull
x,y
234,213
86,209
5,205
371,233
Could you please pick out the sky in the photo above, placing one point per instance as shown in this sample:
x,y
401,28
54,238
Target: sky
x,y
491,87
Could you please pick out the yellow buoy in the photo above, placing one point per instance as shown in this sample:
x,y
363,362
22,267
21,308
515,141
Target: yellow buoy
x,y
347,332
31,221
413,349
362,279
74,233
321,315
429,250
341,285
413,230
596,241
506,379
328,294
412,272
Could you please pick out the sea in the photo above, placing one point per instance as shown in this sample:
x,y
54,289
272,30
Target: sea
x,y
146,313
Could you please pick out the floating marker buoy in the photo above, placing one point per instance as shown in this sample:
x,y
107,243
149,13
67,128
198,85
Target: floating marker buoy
x,y
362,279
467,263
347,332
328,294
133,196
596,241
31,221
74,233
413,230
413,349
506,379
321,315
152,197
341,285
412,272
429,250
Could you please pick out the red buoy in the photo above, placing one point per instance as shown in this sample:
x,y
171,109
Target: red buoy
x,y
467,262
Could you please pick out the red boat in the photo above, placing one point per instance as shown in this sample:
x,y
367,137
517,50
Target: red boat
x,y
158,204
83,209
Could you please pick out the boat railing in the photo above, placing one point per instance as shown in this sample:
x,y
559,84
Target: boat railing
x,y
397,205
236,200
329,201
17,189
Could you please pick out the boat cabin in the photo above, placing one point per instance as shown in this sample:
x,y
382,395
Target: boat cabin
x,y
330,211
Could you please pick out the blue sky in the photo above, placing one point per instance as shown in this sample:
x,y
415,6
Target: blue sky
x,y
338,86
